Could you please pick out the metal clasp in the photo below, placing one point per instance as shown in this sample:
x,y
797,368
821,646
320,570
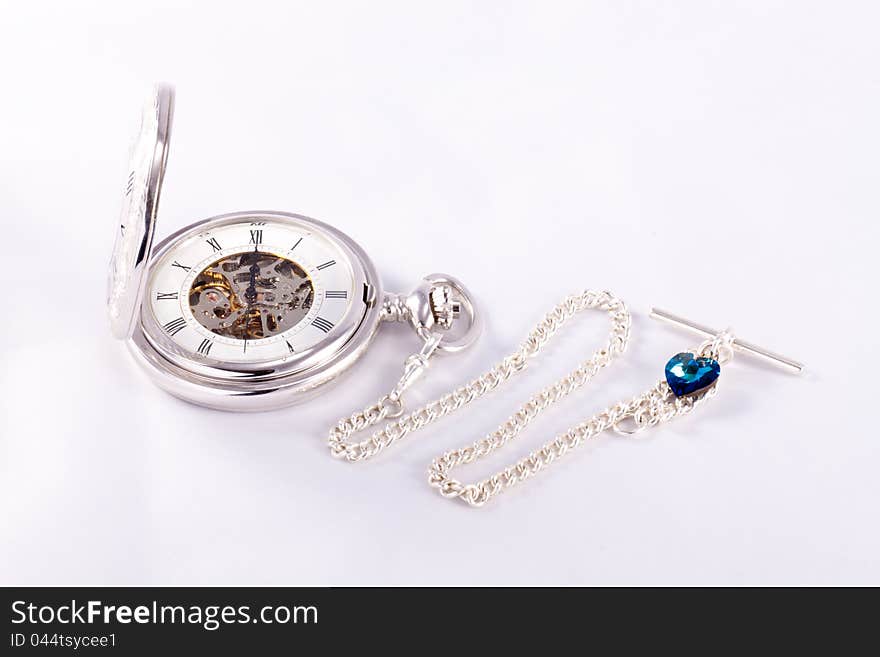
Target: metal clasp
x,y
437,310
415,366
441,304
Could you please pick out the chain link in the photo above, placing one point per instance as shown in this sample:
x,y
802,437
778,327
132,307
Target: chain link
x,y
648,409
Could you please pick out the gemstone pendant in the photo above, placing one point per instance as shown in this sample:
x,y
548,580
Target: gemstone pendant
x,y
687,374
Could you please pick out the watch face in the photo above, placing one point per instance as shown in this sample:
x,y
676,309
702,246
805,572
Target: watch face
x,y
252,290
136,223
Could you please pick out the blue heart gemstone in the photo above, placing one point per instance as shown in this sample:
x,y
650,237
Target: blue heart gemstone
x,y
686,374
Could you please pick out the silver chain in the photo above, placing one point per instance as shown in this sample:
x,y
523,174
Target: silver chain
x,y
656,405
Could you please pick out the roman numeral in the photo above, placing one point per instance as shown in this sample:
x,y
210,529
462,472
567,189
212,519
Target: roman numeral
x,y
336,294
175,326
129,185
297,244
205,347
166,296
329,263
322,324
258,223
289,346
214,243
177,264
257,236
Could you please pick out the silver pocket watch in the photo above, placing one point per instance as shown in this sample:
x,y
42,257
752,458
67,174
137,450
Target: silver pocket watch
x,y
252,311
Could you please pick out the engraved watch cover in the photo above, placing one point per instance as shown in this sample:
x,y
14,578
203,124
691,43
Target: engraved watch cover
x,y
137,219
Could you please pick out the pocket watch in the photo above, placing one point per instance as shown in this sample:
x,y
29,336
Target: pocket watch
x,y
256,310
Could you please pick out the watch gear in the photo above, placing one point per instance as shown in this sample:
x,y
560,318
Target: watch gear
x,y
251,295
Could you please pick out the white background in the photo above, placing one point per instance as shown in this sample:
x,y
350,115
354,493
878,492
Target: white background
x,y
716,159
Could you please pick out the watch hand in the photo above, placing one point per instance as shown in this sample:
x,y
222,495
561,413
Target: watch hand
x,y
250,294
247,318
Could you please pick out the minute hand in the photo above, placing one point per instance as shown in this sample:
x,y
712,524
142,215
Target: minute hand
x,y
250,294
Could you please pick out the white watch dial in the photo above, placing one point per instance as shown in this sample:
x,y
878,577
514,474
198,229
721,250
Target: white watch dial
x,y
254,291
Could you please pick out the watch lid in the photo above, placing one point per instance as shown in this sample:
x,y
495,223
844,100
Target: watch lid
x,y
137,219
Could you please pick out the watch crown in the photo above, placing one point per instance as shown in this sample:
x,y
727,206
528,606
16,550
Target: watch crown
x,y
443,306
